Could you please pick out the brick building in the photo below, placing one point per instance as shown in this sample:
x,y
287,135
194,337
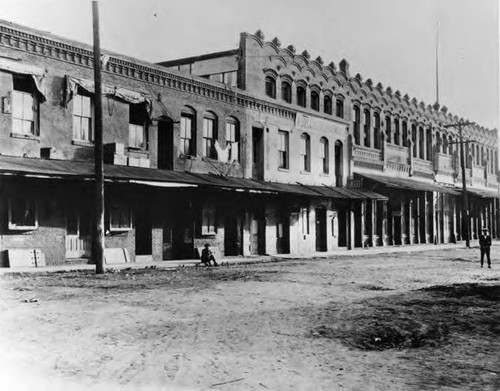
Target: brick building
x,y
256,150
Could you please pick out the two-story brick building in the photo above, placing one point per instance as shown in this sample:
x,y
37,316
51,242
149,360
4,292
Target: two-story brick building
x,y
255,150
392,144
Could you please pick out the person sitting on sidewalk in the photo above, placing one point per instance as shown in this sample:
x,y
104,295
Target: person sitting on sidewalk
x,y
485,244
207,256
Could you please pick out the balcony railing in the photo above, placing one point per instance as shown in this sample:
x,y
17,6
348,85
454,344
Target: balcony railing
x,y
423,166
360,152
397,153
445,162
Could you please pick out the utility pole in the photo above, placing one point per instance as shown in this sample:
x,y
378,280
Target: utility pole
x,y
98,231
465,202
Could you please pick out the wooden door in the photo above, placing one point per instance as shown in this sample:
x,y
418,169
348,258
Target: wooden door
x,y
78,241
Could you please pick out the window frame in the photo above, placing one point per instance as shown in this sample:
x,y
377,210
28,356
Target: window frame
x,y
208,226
233,137
283,150
301,94
23,86
339,107
305,152
286,93
314,95
327,105
13,226
209,126
187,142
127,211
138,121
80,94
270,86
324,155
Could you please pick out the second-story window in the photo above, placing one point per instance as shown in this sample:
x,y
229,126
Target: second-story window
x,y
286,91
25,105
82,118
388,130
270,87
327,105
209,135
405,134
301,96
339,108
324,155
376,130
305,152
356,124
283,149
367,127
137,129
188,133
396,131
315,100
414,139
233,138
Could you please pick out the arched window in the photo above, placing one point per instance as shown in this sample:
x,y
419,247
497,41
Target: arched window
x,y
356,124
315,100
438,142
421,144
233,139
301,96
367,127
324,155
396,131
338,163
482,156
188,132
305,152
339,108
428,143
376,130
414,139
209,135
478,156
327,104
271,86
445,144
388,130
450,145
286,91
405,134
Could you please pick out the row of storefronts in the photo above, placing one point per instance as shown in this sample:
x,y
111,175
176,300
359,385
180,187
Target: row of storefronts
x,y
190,160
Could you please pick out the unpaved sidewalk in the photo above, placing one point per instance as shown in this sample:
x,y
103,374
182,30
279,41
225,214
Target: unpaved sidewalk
x,y
240,327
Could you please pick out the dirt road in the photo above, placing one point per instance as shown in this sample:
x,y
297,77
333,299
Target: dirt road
x,y
349,323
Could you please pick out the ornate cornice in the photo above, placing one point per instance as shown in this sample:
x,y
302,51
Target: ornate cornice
x,y
79,54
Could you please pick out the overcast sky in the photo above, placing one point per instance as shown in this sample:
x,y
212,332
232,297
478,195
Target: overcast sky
x,y
389,41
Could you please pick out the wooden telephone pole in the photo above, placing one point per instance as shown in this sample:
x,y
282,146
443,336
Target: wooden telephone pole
x,y
465,201
98,231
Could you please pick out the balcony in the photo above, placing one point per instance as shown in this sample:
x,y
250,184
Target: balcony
x,y
423,166
397,153
365,153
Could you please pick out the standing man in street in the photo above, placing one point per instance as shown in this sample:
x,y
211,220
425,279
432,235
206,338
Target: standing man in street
x,y
485,244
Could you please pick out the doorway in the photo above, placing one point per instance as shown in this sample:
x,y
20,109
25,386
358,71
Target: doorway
x,y
78,240
257,231
143,234
321,229
166,144
233,235
283,234
257,153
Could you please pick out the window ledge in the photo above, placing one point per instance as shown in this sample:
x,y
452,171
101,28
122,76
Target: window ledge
x,y
20,228
83,143
190,157
305,172
325,174
283,169
138,150
25,136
